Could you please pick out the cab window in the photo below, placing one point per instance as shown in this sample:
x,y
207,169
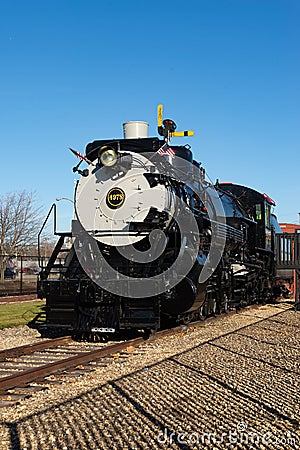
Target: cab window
x,y
268,216
258,215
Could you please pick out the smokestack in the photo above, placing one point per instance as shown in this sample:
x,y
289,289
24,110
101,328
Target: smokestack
x,y
135,130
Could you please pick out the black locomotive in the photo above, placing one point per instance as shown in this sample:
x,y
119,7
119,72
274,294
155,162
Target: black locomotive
x,y
153,242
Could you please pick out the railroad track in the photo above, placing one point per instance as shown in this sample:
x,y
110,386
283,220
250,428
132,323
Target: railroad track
x,y
31,348
55,360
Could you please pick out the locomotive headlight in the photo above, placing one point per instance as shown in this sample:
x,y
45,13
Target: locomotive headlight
x,y
108,156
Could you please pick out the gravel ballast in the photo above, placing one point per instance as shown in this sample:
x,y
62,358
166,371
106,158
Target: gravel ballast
x,y
232,382
17,336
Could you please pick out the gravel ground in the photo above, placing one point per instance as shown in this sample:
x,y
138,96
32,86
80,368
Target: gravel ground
x,y
16,336
232,383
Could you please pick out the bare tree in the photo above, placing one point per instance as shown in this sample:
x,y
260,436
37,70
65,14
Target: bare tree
x,y
19,224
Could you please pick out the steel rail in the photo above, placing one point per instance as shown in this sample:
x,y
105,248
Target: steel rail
x,y
35,374
31,348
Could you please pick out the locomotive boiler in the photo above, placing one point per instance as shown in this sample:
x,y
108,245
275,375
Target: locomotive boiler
x,y
153,242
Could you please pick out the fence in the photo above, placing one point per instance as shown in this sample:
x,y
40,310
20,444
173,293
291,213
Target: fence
x,y
288,259
20,274
288,251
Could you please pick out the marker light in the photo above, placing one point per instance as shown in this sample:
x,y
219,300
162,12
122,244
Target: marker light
x,y
108,156
269,200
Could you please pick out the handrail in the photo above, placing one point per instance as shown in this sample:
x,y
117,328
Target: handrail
x,y
53,208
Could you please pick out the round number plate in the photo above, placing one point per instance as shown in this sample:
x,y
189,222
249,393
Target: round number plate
x,y
115,198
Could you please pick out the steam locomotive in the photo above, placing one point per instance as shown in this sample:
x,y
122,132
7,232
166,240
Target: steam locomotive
x,y
153,242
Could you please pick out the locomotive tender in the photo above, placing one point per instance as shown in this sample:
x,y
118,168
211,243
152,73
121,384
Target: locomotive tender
x,y
153,242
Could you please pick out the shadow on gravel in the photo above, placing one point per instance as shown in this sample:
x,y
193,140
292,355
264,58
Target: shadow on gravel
x,y
253,358
261,341
266,407
204,397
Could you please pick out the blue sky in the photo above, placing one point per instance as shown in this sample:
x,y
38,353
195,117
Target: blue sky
x,y
74,70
